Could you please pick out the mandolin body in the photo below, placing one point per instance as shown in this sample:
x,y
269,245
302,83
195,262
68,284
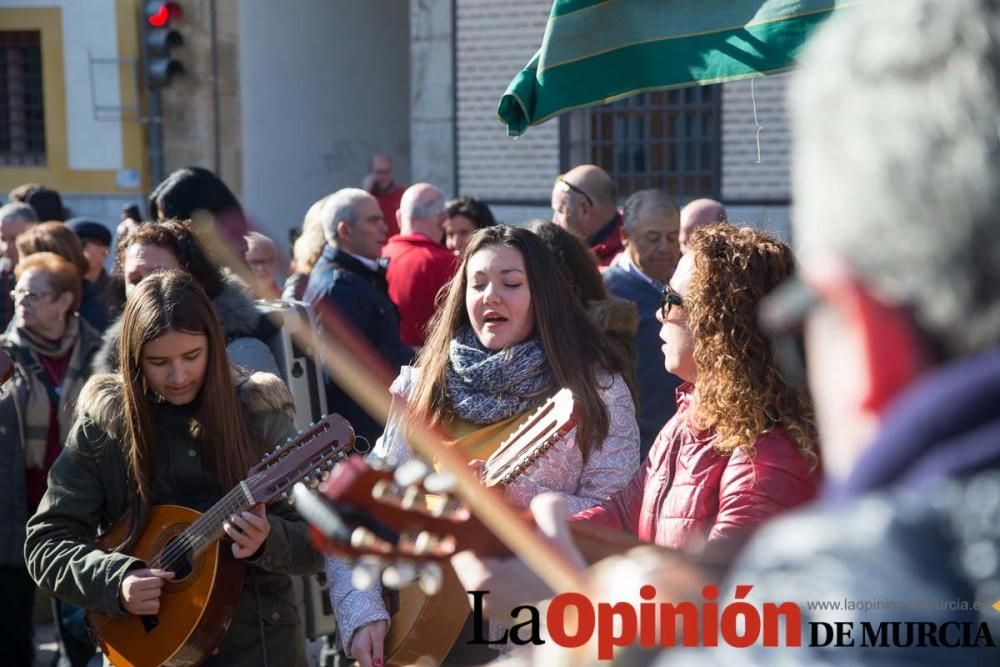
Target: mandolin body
x,y
195,608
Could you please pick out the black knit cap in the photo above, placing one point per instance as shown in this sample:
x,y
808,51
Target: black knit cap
x,y
88,229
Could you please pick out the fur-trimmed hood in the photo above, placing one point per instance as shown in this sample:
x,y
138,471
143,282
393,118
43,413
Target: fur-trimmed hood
x,y
233,305
102,398
614,316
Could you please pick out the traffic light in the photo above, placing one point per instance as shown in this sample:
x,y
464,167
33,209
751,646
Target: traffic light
x,y
161,39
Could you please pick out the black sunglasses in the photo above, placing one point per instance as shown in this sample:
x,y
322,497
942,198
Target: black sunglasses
x,y
670,299
575,189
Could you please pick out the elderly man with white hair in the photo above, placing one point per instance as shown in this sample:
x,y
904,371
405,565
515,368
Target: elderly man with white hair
x,y
348,283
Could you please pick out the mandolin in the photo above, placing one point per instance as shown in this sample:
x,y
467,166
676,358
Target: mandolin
x,y
197,606
404,525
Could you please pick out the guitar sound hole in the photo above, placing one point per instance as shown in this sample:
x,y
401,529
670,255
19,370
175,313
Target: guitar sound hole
x,y
180,561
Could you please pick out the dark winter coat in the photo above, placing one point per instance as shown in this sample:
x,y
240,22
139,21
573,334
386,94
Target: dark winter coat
x,y
88,492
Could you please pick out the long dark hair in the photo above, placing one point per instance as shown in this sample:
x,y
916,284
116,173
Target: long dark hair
x,y
575,349
173,301
192,189
574,259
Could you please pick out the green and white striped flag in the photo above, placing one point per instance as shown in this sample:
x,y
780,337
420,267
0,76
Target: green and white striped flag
x,y
598,51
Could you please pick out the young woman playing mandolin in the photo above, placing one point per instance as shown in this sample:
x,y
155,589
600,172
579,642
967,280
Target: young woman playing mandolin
x,y
175,426
509,334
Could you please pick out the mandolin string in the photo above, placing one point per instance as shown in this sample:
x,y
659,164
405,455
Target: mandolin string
x,y
193,538
512,460
224,507
188,542
165,561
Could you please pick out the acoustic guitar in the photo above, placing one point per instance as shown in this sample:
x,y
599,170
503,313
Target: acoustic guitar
x,y
404,525
197,606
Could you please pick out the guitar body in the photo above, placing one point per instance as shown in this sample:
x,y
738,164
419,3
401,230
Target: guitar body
x,y
195,608
427,624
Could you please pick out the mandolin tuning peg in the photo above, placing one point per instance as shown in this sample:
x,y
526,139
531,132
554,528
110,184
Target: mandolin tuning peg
x,y
363,539
399,574
365,574
413,497
431,579
412,472
440,482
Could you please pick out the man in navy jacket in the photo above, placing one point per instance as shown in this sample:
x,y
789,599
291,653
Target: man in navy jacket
x,y
348,290
650,230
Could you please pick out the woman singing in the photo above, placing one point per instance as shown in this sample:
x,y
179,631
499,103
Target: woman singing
x,y
510,333
173,426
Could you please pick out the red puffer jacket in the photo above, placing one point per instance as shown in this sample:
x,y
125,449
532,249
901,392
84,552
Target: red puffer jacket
x,y
687,495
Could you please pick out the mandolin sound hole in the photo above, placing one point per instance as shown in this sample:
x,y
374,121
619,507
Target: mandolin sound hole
x,y
180,560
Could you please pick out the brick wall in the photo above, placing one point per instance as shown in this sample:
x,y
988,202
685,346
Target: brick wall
x,y
743,178
494,41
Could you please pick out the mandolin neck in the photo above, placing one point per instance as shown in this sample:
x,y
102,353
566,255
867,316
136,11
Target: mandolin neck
x,y
208,527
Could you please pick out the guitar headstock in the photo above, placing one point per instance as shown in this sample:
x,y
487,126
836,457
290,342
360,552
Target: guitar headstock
x,y
405,522
306,456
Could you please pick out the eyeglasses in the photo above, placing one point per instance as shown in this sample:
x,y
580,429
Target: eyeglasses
x,y
26,295
670,299
575,189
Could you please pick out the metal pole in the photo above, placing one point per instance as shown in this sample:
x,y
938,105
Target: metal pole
x,y
154,119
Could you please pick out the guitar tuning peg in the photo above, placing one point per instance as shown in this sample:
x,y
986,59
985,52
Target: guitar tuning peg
x,y
325,475
412,472
365,574
431,579
399,574
440,482
313,482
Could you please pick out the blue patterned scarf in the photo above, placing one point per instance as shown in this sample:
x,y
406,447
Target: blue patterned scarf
x,y
487,386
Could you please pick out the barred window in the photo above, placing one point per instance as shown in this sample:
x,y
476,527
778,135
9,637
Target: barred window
x,y
668,139
22,115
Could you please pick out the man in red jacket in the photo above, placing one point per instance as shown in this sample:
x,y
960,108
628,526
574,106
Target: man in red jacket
x,y
419,266
379,183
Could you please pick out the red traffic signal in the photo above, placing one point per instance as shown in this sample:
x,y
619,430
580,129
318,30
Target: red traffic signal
x,y
159,14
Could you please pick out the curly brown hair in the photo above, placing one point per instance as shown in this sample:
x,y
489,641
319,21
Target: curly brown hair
x,y
741,391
